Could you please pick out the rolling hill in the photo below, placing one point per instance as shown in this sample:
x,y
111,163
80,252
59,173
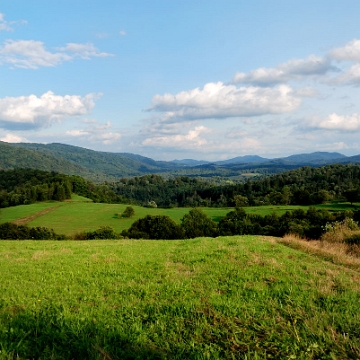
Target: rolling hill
x,y
106,166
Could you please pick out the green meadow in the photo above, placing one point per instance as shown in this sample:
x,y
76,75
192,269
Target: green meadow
x,y
80,214
226,298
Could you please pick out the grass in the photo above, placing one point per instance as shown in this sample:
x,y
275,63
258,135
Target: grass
x,y
226,298
79,214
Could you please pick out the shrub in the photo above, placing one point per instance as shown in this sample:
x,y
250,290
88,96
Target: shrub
x,y
338,231
154,227
196,223
128,212
104,232
10,231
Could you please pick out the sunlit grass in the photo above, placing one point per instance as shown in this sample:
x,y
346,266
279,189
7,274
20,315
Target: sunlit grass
x,y
229,297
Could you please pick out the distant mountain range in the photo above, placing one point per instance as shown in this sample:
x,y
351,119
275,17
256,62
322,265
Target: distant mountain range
x,y
106,166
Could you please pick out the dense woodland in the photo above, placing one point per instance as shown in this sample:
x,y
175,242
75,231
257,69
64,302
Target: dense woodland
x,y
303,186
26,186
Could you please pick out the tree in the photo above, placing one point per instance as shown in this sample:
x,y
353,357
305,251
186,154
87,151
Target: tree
x,y
196,223
352,195
154,227
241,201
128,212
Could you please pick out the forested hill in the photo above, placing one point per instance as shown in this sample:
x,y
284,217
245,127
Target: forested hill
x,y
26,186
303,186
104,166
100,166
12,157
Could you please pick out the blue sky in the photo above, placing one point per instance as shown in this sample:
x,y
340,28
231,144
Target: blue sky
x,y
182,79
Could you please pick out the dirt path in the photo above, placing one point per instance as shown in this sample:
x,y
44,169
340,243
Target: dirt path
x,y
27,219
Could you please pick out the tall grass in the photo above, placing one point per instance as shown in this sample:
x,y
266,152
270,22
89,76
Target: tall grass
x,y
334,244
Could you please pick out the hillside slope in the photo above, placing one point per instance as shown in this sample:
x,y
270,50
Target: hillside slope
x,y
12,157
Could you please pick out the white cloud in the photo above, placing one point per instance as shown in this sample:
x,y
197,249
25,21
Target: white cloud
x,y
85,51
10,138
191,140
350,76
31,54
217,100
122,32
8,25
346,123
295,69
30,112
100,133
349,52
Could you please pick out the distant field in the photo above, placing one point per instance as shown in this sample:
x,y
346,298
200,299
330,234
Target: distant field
x,y
80,214
226,298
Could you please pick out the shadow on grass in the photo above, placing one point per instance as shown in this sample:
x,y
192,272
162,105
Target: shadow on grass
x,y
217,218
48,334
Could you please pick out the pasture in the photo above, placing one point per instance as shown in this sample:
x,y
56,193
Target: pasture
x,y
226,298
80,214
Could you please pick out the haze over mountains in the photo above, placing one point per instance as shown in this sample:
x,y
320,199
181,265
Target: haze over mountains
x,y
101,166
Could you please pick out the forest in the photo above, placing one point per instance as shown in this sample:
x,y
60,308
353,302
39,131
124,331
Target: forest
x,y
303,186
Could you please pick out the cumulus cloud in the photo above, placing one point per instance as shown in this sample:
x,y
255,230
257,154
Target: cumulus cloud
x,y
350,76
218,101
31,54
349,52
11,138
31,112
295,69
345,123
8,25
99,133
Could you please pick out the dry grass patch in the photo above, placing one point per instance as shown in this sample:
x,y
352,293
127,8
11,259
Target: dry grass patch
x,y
337,252
25,220
40,255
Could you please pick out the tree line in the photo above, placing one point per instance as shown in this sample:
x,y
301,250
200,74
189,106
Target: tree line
x,y
27,186
303,186
310,224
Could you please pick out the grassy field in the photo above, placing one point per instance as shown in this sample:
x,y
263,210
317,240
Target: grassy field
x,y
79,214
225,298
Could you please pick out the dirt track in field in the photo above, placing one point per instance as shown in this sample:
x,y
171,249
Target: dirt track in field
x,y
27,219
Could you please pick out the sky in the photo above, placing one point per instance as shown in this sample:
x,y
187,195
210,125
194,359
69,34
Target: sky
x,y
179,79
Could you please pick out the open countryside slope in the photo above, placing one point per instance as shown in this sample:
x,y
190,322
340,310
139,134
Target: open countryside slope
x,y
78,214
230,297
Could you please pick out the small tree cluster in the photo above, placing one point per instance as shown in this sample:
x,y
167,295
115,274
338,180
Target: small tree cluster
x,y
10,231
103,233
154,227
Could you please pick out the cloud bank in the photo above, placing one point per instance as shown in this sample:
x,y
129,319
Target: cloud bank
x,y
295,69
32,112
218,101
96,133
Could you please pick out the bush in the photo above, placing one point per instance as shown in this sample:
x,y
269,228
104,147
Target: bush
x,y
154,227
196,224
10,231
128,212
338,231
104,232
